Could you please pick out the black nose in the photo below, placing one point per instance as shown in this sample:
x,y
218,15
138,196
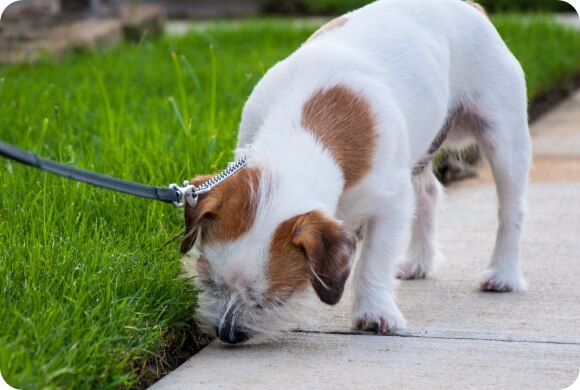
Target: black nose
x,y
231,336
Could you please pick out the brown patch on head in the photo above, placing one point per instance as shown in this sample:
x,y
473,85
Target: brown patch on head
x,y
345,124
478,7
333,24
226,212
310,247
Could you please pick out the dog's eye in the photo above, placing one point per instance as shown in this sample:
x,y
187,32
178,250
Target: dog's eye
x,y
210,216
209,284
213,287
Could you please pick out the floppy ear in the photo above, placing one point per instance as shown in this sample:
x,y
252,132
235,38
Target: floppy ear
x,y
329,248
194,216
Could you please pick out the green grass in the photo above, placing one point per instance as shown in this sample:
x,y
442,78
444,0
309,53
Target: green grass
x,y
549,53
89,287
336,7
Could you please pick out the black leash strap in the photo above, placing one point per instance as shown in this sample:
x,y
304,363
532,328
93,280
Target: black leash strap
x,y
168,195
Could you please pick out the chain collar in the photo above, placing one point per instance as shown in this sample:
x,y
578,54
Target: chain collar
x,y
190,193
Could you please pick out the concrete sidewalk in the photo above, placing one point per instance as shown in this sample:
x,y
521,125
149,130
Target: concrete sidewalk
x,y
457,337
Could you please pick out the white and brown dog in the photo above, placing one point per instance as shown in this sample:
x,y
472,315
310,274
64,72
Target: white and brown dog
x,y
339,136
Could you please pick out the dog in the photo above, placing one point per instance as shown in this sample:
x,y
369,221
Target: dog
x,y
340,138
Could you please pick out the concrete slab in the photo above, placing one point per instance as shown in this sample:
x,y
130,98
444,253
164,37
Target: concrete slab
x,y
551,169
328,361
558,132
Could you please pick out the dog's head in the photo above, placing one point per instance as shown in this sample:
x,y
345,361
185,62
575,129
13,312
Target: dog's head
x,y
255,264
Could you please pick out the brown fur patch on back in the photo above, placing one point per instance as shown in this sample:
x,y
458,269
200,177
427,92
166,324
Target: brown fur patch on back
x,y
227,211
333,24
345,124
477,6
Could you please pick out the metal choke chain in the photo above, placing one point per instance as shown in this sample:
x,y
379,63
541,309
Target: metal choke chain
x,y
214,181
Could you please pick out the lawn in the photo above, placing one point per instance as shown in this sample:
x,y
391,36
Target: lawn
x,y
90,294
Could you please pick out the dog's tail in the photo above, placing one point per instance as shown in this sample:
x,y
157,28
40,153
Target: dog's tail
x,y
478,7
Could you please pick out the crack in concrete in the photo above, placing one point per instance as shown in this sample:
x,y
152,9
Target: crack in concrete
x,y
425,336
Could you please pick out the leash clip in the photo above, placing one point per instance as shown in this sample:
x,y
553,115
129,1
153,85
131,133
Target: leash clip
x,y
187,193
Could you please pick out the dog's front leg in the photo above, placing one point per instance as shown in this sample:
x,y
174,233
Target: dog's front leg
x,y
374,306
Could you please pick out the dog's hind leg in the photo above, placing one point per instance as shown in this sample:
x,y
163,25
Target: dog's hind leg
x,y
422,246
505,142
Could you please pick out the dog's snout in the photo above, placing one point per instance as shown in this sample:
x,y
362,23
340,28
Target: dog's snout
x,y
232,335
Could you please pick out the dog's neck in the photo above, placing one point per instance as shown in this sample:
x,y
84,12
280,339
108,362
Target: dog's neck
x,y
300,174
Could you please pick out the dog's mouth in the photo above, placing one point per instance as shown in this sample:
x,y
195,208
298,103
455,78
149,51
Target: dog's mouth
x,y
237,324
253,319
230,326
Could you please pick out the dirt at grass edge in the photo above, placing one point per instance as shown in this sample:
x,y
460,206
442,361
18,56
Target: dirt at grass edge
x,y
182,344
179,346
548,98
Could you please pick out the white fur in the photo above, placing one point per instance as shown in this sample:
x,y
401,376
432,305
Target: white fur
x,y
415,61
422,248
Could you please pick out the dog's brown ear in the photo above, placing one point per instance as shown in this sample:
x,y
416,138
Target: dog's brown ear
x,y
205,208
329,248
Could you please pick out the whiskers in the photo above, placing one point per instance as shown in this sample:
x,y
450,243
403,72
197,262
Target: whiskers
x,y
264,322
224,317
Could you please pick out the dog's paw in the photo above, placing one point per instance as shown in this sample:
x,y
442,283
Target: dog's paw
x,y
498,281
385,319
412,269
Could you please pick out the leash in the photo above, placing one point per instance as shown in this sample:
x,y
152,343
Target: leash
x,y
172,194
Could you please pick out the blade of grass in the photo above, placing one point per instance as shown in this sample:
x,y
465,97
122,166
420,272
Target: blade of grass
x,y
181,87
213,92
177,112
108,109
192,74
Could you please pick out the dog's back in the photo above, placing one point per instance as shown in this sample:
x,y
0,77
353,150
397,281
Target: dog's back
x,y
428,56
